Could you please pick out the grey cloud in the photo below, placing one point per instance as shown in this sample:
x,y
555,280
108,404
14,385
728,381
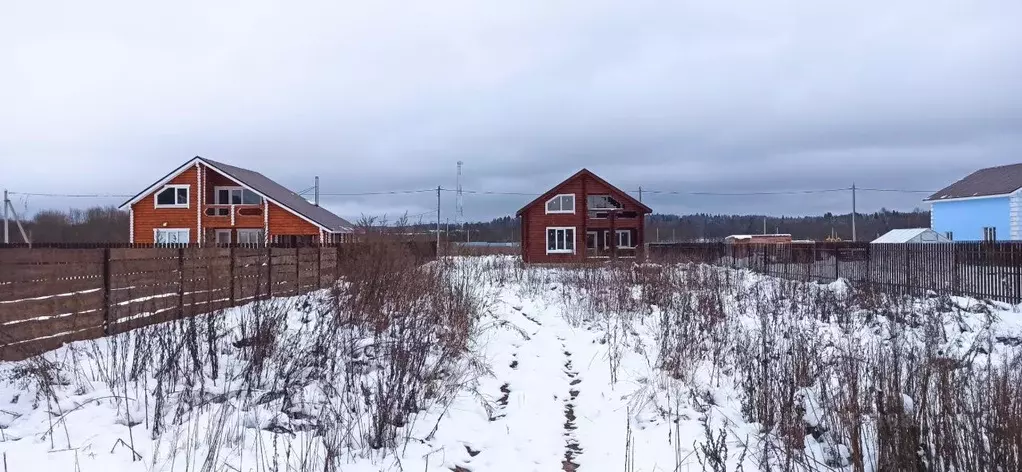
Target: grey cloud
x,y
687,96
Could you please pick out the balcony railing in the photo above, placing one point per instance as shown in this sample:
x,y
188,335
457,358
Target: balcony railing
x,y
233,211
603,214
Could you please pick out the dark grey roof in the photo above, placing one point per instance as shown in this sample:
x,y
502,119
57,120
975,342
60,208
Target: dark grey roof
x,y
280,194
984,182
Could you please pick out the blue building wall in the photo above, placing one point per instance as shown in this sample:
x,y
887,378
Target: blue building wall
x,y
965,219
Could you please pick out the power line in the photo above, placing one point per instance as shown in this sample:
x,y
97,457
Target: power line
x,y
894,190
391,192
529,194
738,194
72,195
488,192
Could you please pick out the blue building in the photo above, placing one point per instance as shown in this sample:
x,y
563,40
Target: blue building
x,y
983,206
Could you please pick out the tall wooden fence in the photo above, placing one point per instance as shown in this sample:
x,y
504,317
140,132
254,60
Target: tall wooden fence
x,y
981,270
52,296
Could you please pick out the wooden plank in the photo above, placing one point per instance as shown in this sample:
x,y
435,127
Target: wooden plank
x,y
136,295
9,256
130,266
140,281
55,271
23,310
205,308
43,327
120,312
121,254
33,348
20,291
191,298
143,320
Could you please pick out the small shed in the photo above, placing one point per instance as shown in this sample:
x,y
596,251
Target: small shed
x,y
911,235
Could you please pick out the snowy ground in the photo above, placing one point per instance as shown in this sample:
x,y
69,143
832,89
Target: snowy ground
x,y
558,388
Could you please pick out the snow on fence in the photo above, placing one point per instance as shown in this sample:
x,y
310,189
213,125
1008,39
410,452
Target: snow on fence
x,y
52,296
981,270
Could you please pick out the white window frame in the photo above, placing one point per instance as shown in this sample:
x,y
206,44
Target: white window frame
x,y
218,232
259,238
188,196
629,233
187,231
546,240
231,188
546,206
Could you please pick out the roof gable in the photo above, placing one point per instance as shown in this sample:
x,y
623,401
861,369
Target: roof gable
x,y
577,175
992,181
263,186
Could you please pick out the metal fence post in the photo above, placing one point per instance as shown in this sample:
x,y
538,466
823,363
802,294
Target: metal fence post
x,y
180,282
269,272
1017,296
837,262
232,297
106,291
908,268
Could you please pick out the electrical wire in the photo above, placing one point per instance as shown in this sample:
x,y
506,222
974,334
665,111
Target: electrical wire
x,y
392,192
894,190
71,195
529,194
738,194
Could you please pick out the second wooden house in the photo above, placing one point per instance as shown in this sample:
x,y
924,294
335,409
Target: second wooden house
x,y
583,217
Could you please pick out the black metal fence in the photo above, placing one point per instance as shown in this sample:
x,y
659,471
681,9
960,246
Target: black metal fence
x,y
975,269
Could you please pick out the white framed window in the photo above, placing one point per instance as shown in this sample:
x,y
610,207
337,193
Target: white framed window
x,y
250,236
563,203
172,196
560,240
624,238
223,236
236,196
171,235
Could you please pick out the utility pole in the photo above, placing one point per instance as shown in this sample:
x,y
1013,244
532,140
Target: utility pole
x,y
7,230
9,207
640,194
438,219
764,225
853,212
316,198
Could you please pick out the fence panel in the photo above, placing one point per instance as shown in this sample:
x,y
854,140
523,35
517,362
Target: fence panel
x,y
53,295
983,270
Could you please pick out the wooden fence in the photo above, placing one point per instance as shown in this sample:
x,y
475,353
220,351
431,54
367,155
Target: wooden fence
x,y
980,270
52,296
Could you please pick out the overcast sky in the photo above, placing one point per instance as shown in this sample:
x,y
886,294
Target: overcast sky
x,y
686,96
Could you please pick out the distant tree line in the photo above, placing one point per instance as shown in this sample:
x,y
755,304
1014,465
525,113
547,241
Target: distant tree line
x,y
868,226
92,225
108,224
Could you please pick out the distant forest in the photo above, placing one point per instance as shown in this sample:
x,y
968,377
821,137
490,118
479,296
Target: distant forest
x,y
96,225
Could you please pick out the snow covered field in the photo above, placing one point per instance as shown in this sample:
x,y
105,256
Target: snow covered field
x,y
634,368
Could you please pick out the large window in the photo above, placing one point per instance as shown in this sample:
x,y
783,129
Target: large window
x,y
250,236
624,238
560,240
602,202
237,196
564,203
172,196
171,235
